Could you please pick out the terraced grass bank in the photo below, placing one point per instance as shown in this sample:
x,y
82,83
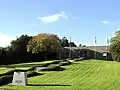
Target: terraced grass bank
x,y
3,70
81,75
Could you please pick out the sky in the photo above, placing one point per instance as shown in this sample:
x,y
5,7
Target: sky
x,y
82,20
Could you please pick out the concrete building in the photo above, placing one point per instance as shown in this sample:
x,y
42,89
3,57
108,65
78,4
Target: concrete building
x,y
97,52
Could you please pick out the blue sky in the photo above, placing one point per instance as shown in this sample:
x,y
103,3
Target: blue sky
x,y
81,20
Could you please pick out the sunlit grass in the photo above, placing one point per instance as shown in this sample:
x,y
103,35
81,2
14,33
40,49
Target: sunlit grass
x,y
3,70
82,75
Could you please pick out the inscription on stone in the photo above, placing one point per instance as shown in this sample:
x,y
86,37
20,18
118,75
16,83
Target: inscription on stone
x,y
19,78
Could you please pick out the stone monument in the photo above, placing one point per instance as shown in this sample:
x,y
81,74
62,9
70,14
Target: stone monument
x,y
20,78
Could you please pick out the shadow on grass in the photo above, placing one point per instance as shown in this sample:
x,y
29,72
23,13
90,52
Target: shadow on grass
x,y
29,65
33,74
8,78
47,85
54,69
6,89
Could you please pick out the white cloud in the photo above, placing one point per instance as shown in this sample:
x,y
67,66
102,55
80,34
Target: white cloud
x,y
104,22
5,39
54,17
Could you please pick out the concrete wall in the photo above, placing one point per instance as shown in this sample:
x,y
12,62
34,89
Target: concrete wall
x,y
90,52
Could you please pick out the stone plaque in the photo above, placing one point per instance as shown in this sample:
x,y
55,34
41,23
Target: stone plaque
x,y
20,78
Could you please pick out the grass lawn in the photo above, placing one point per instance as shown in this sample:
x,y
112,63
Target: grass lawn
x,y
28,65
2,70
23,66
82,75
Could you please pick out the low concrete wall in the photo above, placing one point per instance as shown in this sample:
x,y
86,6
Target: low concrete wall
x,y
85,52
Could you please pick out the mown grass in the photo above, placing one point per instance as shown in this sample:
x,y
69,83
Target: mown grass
x,y
28,65
23,66
2,70
82,75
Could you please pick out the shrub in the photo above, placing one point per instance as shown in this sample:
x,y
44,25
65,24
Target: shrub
x,y
79,59
39,68
32,68
11,72
41,65
51,67
64,60
56,62
32,73
64,63
5,79
68,58
8,76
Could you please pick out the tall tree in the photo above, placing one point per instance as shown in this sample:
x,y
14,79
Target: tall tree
x,y
19,45
72,44
19,50
115,46
46,43
64,42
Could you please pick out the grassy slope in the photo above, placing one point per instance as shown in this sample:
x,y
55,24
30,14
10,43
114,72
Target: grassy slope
x,y
28,65
23,66
2,70
83,75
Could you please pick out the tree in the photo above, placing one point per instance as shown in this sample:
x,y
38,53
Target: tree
x,y
72,44
46,43
115,46
18,47
3,56
80,45
64,42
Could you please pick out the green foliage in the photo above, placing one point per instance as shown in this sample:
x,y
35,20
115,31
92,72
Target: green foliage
x,y
11,72
79,59
115,46
3,56
47,43
64,63
72,44
56,62
5,79
44,43
19,45
51,67
64,42
32,73
17,52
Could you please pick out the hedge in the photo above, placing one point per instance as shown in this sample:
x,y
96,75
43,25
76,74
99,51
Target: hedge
x,y
11,72
63,63
79,59
7,77
51,67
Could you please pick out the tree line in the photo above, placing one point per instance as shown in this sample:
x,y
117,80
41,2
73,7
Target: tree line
x,y
33,48
45,46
